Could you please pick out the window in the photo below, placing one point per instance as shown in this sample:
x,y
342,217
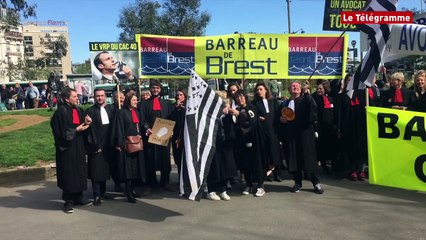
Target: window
x,y
28,40
29,51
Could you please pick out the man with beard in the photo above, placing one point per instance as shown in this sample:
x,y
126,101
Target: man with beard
x,y
98,147
68,128
158,157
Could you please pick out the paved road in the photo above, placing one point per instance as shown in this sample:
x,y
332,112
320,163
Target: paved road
x,y
347,210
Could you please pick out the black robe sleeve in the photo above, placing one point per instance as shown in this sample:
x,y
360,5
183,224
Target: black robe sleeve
x,y
64,131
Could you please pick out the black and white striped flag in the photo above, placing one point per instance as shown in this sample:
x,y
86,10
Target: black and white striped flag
x,y
378,35
203,110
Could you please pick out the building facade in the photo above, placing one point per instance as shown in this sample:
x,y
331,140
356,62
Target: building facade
x,y
36,37
29,42
11,54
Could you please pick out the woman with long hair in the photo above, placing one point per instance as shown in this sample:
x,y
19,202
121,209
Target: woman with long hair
x,y
132,167
268,109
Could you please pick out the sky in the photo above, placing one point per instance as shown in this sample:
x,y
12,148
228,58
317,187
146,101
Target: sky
x,y
96,20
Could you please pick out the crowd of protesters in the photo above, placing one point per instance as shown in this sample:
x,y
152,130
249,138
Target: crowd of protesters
x,y
258,137
30,97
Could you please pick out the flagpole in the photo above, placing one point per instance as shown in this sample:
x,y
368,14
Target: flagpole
x,y
117,81
326,55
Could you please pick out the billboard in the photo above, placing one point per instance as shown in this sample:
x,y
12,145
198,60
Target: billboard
x,y
332,9
243,56
119,58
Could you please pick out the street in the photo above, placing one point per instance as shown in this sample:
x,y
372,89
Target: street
x,y
347,210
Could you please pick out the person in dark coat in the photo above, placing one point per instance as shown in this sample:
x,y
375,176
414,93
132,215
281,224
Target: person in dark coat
x,y
68,126
352,131
397,96
178,115
158,157
98,146
116,157
419,91
54,85
223,165
326,140
250,138
131,165
268,110
299,135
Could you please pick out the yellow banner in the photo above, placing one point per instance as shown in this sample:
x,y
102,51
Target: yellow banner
x,y
244,56
396,148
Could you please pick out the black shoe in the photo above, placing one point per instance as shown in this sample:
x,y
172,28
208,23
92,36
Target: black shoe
x,y
135,194
97,201
130,198
82,202
318,189
68,208
296,188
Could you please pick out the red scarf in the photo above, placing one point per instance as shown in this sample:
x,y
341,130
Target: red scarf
x,y
327,103
355,102
398,96
75,117
371,93
156,106
135,118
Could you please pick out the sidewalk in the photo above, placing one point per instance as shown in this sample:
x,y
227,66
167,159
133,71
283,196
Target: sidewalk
x,y
26,174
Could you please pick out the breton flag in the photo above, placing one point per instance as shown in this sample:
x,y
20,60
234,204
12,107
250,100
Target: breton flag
x,y
203,110
378,35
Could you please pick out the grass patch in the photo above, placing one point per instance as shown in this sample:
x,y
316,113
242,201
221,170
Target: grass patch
x,y
39,111
7,122
25,147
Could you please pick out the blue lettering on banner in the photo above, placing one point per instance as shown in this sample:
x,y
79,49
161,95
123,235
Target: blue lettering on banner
x,y
304,63
412,38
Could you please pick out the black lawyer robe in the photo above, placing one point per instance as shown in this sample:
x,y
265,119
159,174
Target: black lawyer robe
x,y
130,166
158,157
299,135
98,139
223,165
326,128
251,153
71,167
272,148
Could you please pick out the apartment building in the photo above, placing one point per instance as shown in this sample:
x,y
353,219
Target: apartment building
x,y
36,36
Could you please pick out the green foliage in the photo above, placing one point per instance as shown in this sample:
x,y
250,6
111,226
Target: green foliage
x,y
84,68
183,18
14,9
7,122
57,45
35,74
176,18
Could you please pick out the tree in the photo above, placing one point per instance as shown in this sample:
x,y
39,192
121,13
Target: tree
x,y
58,47
14,9
84,68
182,18
177,18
